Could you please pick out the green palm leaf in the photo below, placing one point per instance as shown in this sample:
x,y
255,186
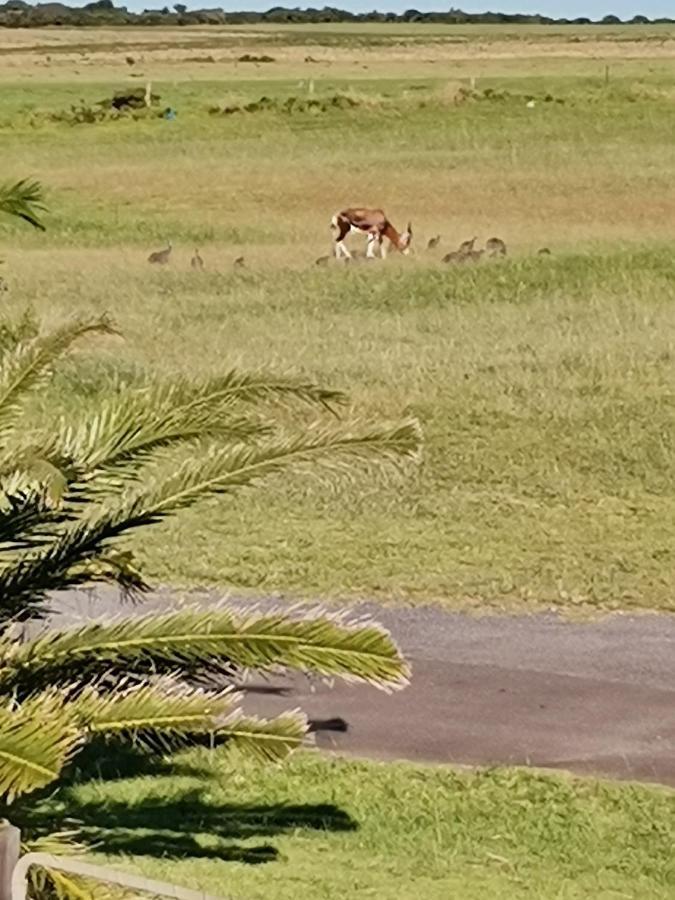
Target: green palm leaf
x,y
36,740
24,582
269,740
25,200
52,883
168,712
334,452
113,567
130,427
24,513
251,387
23,369
161,711
328,644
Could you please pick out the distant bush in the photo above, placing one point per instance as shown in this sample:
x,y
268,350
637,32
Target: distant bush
x,y
123,104
289,105
251,58
19,14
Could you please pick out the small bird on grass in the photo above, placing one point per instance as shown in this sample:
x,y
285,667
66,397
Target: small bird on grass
x,y
197,262
239,263
467,246
160,257
454,256
433,242
495,246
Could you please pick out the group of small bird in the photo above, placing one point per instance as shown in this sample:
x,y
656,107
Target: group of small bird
x,y
162,258
466,252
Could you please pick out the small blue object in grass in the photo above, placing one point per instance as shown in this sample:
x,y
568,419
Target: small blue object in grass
x,y
170,114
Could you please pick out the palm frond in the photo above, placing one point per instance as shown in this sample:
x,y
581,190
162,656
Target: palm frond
x,y
167,713
53,884
269,740
13,331
129,427
56,843
36,740
25,367
327,644
24,582
23,460
24,512
25,200
113,567
225,469
161,712
249,387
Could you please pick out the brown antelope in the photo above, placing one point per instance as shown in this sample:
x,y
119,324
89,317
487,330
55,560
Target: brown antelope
x,y
374,224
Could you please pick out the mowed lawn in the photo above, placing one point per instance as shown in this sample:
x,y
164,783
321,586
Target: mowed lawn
x,y
333,828
544,383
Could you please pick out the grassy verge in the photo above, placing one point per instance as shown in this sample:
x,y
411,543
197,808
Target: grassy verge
x,y
333,828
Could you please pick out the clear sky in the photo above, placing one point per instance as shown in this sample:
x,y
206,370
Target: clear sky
x,y
593,9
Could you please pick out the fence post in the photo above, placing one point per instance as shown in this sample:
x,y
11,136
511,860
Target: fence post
x,y
10,850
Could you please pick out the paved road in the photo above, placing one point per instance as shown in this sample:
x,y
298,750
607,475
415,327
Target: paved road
x,y
588,697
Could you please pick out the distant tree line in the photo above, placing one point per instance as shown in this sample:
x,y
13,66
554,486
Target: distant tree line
x,y
19,14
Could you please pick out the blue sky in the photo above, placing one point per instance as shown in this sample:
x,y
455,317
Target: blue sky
x,y
568,8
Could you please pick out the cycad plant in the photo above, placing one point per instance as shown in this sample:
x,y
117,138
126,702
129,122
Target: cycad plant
x,y
75,489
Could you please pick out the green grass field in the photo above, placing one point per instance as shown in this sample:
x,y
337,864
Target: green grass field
x,y
545,386
544,383
332,828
